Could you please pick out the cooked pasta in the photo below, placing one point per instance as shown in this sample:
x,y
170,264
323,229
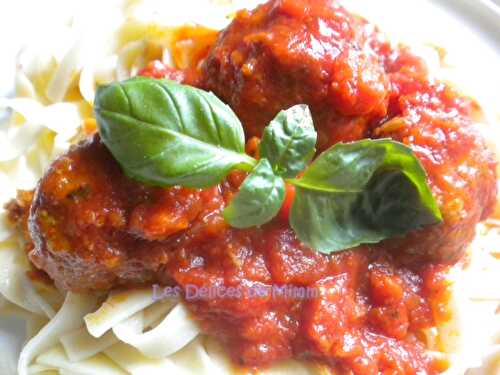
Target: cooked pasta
x,y
129,332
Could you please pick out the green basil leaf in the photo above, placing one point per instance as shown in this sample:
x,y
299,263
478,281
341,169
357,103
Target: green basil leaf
x,y
259,199
163,133
361,192
288,142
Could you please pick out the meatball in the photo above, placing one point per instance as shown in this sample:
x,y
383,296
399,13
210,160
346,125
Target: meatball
x,y
289,52
358,86
437,123
94,229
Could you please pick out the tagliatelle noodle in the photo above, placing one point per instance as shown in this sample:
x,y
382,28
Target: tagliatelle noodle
x,y
68,318
135,363
118,307
80,344
99,364
124,313
94,74
127,59
14,285
64,76
174,332
194,358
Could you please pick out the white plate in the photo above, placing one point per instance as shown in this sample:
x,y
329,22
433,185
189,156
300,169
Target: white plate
x,y
470,28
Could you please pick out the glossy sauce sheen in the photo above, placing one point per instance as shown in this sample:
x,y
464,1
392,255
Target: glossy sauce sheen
x,y
94,229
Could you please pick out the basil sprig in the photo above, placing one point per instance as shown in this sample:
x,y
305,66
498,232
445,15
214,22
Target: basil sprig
x,y
289,141
259,199
361,192
163,133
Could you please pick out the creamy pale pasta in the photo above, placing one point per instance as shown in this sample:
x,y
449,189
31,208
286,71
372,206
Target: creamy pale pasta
x,y
128,332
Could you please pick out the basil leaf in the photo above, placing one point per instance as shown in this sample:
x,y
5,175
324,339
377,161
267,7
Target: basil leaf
x,y
163,133
361,192
259,199
288,142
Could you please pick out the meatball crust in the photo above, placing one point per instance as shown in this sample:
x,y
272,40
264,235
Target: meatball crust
x,y
290,52
94,229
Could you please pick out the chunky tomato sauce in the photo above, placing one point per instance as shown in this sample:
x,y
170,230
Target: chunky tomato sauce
x,y
261,292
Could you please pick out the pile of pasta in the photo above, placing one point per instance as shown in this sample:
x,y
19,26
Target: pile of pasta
x,y
129,332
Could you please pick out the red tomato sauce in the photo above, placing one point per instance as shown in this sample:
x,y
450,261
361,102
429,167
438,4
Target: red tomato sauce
x,y
262,293
356,311
374,303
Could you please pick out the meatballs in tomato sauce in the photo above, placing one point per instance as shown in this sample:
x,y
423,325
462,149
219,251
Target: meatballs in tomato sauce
x,y
94,229
297,51
287,52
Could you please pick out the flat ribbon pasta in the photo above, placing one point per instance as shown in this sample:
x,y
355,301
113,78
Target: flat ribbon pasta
x,y
130,333
118,307
67,319
174,332
99,364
